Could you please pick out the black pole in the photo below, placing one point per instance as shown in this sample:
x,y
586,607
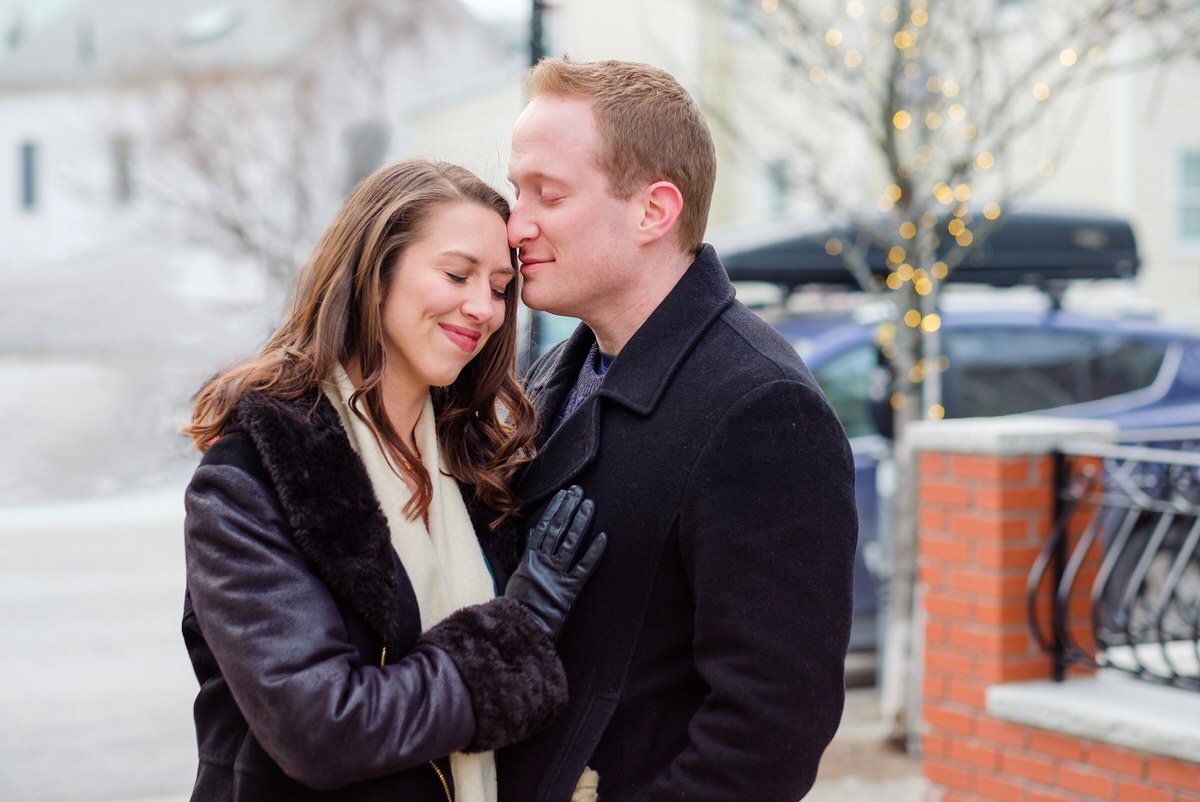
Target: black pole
x,y
537,51
537,46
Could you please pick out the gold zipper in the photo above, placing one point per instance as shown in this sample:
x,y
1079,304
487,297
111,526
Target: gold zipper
x,y
441,777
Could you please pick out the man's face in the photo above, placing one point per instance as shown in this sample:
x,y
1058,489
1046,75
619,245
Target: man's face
x,y
574,236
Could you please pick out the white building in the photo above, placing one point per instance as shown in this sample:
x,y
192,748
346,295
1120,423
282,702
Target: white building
x,y
168,164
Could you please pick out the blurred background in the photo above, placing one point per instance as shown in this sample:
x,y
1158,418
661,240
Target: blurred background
x,y
166,165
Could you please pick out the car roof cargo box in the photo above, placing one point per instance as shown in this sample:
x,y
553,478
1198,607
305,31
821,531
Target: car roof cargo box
x,y
1044,249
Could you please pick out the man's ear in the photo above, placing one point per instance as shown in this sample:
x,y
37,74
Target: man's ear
x,y
662,203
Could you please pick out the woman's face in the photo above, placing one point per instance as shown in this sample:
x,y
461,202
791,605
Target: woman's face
x,y
446,296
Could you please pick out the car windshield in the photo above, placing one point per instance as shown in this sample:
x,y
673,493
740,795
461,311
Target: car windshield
x,y
998,370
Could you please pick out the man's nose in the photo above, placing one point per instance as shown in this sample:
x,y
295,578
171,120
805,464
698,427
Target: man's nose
x,y
520,226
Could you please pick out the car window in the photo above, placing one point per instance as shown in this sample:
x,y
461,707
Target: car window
x,y
846,380
1002,371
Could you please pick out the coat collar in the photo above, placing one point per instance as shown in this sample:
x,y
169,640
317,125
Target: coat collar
x,y
637,379
325,493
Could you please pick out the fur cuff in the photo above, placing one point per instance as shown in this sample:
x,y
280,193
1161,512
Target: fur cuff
x,y
508,662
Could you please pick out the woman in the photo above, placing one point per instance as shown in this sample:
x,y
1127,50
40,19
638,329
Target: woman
x,y
348,527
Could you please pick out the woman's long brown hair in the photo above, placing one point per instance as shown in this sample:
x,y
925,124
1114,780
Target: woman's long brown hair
x,y
485,423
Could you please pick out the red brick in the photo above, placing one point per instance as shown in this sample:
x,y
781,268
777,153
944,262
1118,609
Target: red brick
x,y
1056,744
993,527
930,519
967,692
1137,792
1002,732
1085,780
931,463
934,687
1183,775
1118,761
931,575
947,549
1028,765
948,606
943,773
988,555
943,492
1011,612
935,745
936,631
944,717
1015,669
1001,789
950,661
992,468
990,642
1050,796
1015,498
987,584
974,753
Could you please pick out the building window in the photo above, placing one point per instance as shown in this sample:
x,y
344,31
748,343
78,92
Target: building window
x,y
1189,198
29,177
122,156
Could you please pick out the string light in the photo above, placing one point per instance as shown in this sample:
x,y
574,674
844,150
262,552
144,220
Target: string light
x,y
991,210
950,88
912,318
833,37
1041,90
957,112
770,6
940,269
933,121
1068,57
853,58
889,14
896,255
833,247
984,161
816,75
854,9
937,412
962,193
908,230
931,322
919,17
901,119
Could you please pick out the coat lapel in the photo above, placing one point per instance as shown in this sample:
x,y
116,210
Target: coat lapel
x,y
637,379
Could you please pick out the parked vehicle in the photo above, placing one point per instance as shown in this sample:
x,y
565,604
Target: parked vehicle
x,y
1140,373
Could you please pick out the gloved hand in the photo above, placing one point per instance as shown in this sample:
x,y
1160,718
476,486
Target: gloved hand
x,y
548,578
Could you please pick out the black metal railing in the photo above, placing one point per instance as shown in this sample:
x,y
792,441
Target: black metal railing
x,y
1118,584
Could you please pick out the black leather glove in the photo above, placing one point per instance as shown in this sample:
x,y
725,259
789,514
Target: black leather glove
x,y
548,578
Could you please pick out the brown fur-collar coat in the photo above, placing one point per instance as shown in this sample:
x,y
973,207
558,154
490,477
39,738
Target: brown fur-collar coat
x,y
295,597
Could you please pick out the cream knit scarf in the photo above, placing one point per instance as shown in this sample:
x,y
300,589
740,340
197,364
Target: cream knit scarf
x,y
444,564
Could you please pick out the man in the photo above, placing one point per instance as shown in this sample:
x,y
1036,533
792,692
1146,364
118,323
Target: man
x,y
705,658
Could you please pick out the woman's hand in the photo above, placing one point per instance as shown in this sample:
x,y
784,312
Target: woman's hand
x,y
548,578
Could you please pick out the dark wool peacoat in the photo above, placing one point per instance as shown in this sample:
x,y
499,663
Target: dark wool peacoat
x,y
293,593
705,657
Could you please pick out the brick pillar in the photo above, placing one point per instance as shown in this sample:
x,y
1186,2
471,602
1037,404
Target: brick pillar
x,y
985,511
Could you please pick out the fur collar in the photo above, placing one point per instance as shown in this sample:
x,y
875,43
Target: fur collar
x,y
327,498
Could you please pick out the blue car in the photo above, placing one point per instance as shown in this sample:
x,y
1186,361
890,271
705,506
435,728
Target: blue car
x,y
1139,373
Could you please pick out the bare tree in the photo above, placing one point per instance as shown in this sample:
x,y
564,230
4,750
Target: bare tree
x,y
251,160
909,119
